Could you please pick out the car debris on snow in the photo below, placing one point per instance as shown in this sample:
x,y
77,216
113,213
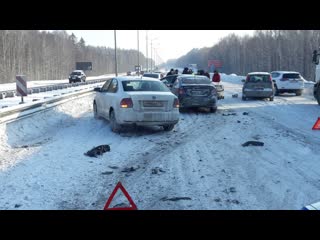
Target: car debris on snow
x,y
113,167
157,170
228,114
175,198
252,143
234,95
107,173
99,150
245,113
130,169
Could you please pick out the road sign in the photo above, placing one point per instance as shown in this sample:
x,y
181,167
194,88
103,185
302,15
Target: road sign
x,y
119,186
316,126
215,63
21,86
85,66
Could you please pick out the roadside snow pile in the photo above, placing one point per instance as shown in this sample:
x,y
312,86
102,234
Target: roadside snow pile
x,y
20,136
232,78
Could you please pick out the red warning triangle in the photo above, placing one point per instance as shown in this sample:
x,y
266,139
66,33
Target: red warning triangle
x,y
316,126
119,186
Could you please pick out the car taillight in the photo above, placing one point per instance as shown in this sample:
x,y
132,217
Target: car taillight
x,y
181,91
247,79
270,79
126,103
176,103
213,91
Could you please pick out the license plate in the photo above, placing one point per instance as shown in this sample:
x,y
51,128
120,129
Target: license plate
x,y
153,104
196,92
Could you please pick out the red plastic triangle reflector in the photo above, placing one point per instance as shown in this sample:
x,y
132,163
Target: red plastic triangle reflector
x,y
126,194
316,126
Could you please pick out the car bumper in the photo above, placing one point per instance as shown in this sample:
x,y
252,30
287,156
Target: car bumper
x,y
130,116
186,102
258,93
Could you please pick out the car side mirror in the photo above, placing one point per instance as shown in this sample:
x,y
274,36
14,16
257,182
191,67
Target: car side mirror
x,y
273,80
97,89
243,80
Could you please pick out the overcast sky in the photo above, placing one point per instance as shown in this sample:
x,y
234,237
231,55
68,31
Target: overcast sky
x,y
168,44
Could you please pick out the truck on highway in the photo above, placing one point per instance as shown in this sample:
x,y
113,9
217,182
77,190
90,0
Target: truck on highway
x,y
316,89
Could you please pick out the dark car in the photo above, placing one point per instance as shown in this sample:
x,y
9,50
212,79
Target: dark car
x,y
195,91
77,76
169,80
258,85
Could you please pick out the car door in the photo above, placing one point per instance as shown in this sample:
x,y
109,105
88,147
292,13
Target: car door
x,y
110,98
100,99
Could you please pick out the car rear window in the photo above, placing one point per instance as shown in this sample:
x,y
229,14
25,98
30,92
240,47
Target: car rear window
x,y
144,85
291,75
195,80
151,75
258,78
76,73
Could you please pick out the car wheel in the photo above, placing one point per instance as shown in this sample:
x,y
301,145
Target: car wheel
x,y
115,127
271,99
95,111
168,127
213,109
276,90
299,93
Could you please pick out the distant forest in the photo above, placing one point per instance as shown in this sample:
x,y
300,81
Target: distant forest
x,y
42,55
266,50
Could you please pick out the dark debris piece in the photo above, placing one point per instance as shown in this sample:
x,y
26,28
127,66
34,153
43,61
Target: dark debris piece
x,y
175,198
107,173
98,151
252,143
245,113
228,114
157,170
130,169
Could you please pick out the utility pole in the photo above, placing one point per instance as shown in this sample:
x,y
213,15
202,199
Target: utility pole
x,y
138,52
115,52
147,48
151,56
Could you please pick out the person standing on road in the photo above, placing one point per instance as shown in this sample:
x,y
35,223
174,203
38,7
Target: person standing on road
x,y
216,77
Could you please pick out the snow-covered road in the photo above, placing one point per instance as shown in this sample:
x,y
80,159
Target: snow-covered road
x,y
201,164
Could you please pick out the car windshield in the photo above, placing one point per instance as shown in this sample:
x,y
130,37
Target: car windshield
x,y
258,78
291,75
195,80
144,85
76,73
151,75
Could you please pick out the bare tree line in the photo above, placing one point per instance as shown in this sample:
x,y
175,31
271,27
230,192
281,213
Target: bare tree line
x,y
44,55
266,50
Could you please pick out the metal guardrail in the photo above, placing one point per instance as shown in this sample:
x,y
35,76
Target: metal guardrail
x,y
42,106
51,87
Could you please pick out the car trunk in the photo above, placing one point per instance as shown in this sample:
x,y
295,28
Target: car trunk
x,y
197,90
152,101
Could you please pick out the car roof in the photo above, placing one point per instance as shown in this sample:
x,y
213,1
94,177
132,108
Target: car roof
x,y
261,73
128,78
284,72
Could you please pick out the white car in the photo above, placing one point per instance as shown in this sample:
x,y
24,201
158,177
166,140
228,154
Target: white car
x,y
136,101
290,82
153,75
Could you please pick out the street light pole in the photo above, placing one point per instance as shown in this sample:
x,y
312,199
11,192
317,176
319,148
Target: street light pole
x,y
147,48
115,52
138,53
151,56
